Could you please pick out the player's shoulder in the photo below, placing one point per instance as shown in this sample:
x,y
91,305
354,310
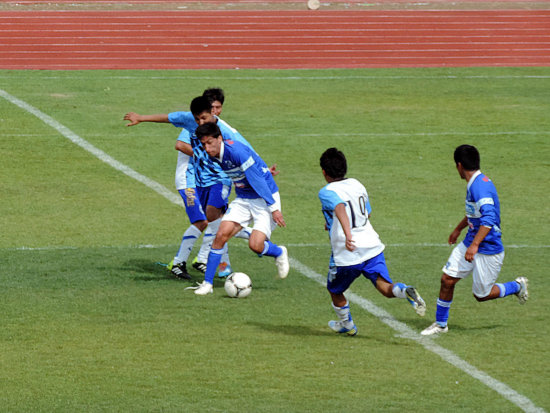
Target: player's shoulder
x,y
233,144
482,183
236,150
353,182
350,184
180,118
223,125
329,190
179,115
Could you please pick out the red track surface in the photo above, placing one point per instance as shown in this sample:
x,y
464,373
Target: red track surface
x,y
272,39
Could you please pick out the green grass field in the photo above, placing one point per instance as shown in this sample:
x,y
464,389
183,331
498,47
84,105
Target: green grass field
x,y
91,322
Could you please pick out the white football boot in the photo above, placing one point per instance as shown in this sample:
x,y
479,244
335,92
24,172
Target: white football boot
x,y
282,264
522,294
203,288
434,329
416,301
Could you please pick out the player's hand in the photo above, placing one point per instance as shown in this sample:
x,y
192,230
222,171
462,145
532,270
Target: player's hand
x,y
278,218
453,237
471,252
350,244
133,118
273,170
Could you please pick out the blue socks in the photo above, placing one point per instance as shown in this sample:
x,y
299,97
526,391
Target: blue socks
x,y
442,312
443,307
271,249
509,288
398,290
214,258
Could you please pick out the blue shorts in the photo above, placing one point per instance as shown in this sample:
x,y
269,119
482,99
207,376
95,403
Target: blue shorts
x,y
216,195
340,278
193,207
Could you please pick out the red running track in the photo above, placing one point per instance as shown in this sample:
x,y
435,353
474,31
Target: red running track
x,y
273,39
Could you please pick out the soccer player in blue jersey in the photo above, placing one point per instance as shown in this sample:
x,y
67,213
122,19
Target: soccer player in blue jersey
x,y
481,253
356,247
216,96
205,203
257,200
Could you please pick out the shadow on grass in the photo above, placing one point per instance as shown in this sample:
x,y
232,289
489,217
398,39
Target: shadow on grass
x,y
301,330
152,271
487,327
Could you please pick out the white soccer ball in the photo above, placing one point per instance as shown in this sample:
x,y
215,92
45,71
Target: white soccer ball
x,y
238,285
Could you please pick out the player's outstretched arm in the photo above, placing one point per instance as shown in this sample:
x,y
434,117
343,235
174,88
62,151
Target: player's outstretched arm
x,y
136,118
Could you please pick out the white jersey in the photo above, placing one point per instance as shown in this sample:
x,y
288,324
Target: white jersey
x,y
353,195
185,171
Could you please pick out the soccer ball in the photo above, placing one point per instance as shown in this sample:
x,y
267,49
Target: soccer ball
x,y
238,285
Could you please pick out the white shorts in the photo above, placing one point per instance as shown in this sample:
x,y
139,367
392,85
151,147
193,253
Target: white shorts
x,y
243,211
484,269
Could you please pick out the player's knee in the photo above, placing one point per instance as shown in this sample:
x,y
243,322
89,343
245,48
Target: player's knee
x,y
219,241
448,282
481,299
256,246
213,214
201,225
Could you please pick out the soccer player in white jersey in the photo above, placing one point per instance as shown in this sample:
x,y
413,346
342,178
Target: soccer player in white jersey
x,y
481,253
356,247
257,200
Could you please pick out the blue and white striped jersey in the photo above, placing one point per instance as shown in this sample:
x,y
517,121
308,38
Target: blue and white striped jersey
x,y
207,173
248,172
353,195
483,209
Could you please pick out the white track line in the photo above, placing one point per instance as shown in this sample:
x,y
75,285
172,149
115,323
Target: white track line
x,y
403,329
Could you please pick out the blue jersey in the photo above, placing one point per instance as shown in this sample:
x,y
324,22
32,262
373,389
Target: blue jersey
x,y
207,173
248,172
483,209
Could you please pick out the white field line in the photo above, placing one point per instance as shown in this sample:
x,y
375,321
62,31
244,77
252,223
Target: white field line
x,y
98,153
429,344
403,329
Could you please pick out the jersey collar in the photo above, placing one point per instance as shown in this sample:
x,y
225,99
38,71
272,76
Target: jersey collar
x,y
222,150
473,178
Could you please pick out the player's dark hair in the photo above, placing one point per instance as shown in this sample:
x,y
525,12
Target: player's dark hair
x,y
208,129
213,94
200,104
468,156
333,162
